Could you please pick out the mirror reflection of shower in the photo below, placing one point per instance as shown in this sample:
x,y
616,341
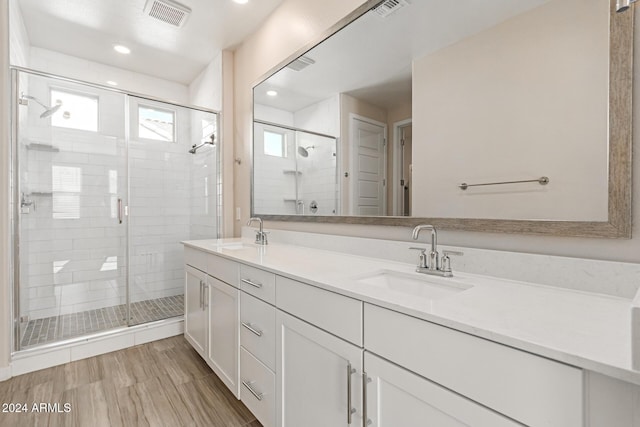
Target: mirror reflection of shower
x,y
48,110
304,151
195,147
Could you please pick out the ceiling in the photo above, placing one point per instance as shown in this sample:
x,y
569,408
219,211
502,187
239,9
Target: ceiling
x,y
371,58
88,29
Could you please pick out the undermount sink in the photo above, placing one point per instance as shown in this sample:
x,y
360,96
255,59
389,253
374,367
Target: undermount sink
x,y
234,246
413,284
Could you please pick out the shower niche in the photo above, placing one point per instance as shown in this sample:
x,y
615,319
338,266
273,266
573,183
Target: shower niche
x,y
106,185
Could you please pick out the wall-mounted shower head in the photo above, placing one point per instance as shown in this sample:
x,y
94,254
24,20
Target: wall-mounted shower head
x,y
304,151
195,147
48,111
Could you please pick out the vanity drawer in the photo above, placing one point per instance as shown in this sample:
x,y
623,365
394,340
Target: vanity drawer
x,y
335,313
222,269
258,329
195,258
257,390
528,388
259,283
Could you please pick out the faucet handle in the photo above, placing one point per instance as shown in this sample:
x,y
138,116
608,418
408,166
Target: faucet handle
x,y
446,261
447,253
423,257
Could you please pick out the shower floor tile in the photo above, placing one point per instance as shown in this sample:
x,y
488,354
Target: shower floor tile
x,y
57,328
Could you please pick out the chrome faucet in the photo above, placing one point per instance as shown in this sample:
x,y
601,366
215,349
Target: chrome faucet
x,y
430,264
261,235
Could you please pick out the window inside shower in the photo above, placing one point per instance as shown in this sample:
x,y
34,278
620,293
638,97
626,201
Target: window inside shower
x,y
100,207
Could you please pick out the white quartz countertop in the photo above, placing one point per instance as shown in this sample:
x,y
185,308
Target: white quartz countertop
x,y
587,330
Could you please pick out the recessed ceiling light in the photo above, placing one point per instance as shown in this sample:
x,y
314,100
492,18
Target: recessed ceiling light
x,y
272,93
112,83
241,1
122,49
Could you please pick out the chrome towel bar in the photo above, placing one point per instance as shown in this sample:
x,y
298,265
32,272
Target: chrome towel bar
x,y
543,180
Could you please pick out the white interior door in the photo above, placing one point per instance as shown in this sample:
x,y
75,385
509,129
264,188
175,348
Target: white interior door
x,y
368,146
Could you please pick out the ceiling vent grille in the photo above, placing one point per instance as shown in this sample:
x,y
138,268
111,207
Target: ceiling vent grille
x,y
301,63
167,11
390,6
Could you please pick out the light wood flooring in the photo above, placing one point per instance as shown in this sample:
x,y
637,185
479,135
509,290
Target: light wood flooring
x,y
163,383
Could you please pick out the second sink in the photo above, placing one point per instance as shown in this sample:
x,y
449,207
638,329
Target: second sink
x,y
413,284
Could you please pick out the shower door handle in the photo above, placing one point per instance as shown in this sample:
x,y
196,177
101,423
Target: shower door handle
x,y
120,211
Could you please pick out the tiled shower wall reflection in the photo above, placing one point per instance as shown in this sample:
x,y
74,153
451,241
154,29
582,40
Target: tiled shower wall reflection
x,y
73,251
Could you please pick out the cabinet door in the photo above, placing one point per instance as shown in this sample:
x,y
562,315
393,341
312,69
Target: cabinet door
x,y
397,397
195,328
313,384
223,303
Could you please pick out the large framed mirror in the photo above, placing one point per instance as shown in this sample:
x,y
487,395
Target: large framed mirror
x,y
494,116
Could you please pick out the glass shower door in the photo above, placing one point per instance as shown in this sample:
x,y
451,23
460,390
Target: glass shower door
x,y
71,178
173,180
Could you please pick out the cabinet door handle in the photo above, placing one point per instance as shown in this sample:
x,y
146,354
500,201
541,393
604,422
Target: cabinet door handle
x,y
255,393
365,381
201,289
251,283
250,327
350,409
205,296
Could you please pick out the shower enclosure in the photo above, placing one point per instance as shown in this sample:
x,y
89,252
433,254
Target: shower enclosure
x,y
105,186
295,171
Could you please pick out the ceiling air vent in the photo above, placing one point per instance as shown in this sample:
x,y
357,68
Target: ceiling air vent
x,y
167,11
301,63
389,6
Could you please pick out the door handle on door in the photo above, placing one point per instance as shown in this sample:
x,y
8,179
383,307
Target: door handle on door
x,y
120,215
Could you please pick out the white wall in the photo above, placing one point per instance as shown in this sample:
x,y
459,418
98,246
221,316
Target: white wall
x,y
5,191
260,53
94,72
487,110
206,89
321,117
19,39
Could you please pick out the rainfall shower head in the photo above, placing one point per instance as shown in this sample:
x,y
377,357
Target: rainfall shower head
x,y
304,151
195,147
48,111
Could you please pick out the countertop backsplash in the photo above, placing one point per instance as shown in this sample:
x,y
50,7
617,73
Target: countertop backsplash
x,y
617,279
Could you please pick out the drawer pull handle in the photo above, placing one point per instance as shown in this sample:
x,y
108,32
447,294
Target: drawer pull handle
x,y
250,327
251,283
255,393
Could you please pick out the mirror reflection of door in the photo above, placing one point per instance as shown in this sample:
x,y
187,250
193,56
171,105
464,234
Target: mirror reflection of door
x,y
369,171
405,171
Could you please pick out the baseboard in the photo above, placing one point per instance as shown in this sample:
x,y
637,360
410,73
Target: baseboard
x,y
84,347
5,373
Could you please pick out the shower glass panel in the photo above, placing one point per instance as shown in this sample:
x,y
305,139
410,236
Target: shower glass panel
x,y
295,172
107,185
173,198
72,234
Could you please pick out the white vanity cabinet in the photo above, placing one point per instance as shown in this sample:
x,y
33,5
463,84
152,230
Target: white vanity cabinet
x,y
211,313
195,310
397,397
299,353
222,356
318,376
530,389
258,352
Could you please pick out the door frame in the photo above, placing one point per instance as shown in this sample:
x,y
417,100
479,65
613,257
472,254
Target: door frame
x,y
352,160
396,194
